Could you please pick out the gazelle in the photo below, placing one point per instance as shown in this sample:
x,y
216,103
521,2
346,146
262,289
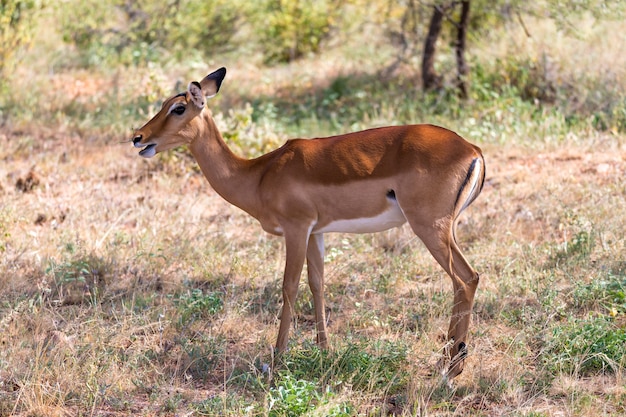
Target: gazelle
x,y
360,182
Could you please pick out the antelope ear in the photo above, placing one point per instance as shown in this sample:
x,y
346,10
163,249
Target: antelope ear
x,y
212,82
195,93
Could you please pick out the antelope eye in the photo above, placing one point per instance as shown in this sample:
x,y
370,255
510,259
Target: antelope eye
x,y
178,110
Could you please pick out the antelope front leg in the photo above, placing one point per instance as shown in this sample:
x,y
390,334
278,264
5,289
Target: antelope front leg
x,y
315,270
296,243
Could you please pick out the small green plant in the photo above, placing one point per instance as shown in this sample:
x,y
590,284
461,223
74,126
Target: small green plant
x,y
578,244
292,397
77,280
4,231
609,292
196,304
586,346
172,403
201,355
224,405
295,397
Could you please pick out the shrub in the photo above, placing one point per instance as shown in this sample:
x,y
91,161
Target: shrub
x,y
206,26
292,397
115,31
292,29
250,132
16,28
530,79
109,31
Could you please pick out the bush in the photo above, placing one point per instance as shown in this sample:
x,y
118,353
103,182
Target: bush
x,y
225,405
250,133
530,79
16,28
292,29
109,32
206,26
135,33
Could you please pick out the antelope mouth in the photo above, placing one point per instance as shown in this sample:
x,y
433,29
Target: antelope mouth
x,y
149,151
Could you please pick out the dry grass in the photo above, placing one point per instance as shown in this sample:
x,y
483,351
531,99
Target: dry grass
x,y
103,253
110,344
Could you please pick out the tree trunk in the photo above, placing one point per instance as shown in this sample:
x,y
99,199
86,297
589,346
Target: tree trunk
x,y
461,64
430,79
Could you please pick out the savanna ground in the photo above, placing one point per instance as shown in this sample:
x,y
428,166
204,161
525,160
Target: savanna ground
x,y
128,287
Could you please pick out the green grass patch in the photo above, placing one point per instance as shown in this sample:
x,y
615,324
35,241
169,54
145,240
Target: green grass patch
x,y
376,366
197,304
586,346
607,292
296,397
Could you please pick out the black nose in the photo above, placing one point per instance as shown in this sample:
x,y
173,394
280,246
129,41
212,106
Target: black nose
x,y
137,139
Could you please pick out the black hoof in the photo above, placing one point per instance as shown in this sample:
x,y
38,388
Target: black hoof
x,y
462,351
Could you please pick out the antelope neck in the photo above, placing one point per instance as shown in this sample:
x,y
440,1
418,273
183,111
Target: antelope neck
x,y
230,176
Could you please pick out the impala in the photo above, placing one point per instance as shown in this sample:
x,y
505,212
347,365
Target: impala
x,y
360,182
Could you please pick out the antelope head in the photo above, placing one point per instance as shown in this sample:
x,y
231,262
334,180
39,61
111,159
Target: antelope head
x,y
177,123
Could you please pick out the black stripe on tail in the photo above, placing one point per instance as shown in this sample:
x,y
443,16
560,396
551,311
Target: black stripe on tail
x,y
468,177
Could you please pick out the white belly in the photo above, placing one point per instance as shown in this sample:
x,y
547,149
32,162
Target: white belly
x,y
392,217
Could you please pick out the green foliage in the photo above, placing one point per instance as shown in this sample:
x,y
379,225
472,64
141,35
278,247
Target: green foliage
x,y
295,397
135,33
16,28
596,342
292,29
609,114
251,132
201,355
608,292
196,304
4,229
362,366
579,244
586,346
564,12
489,14
201,26
76,280
529,79
225,405
292,397
109,32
